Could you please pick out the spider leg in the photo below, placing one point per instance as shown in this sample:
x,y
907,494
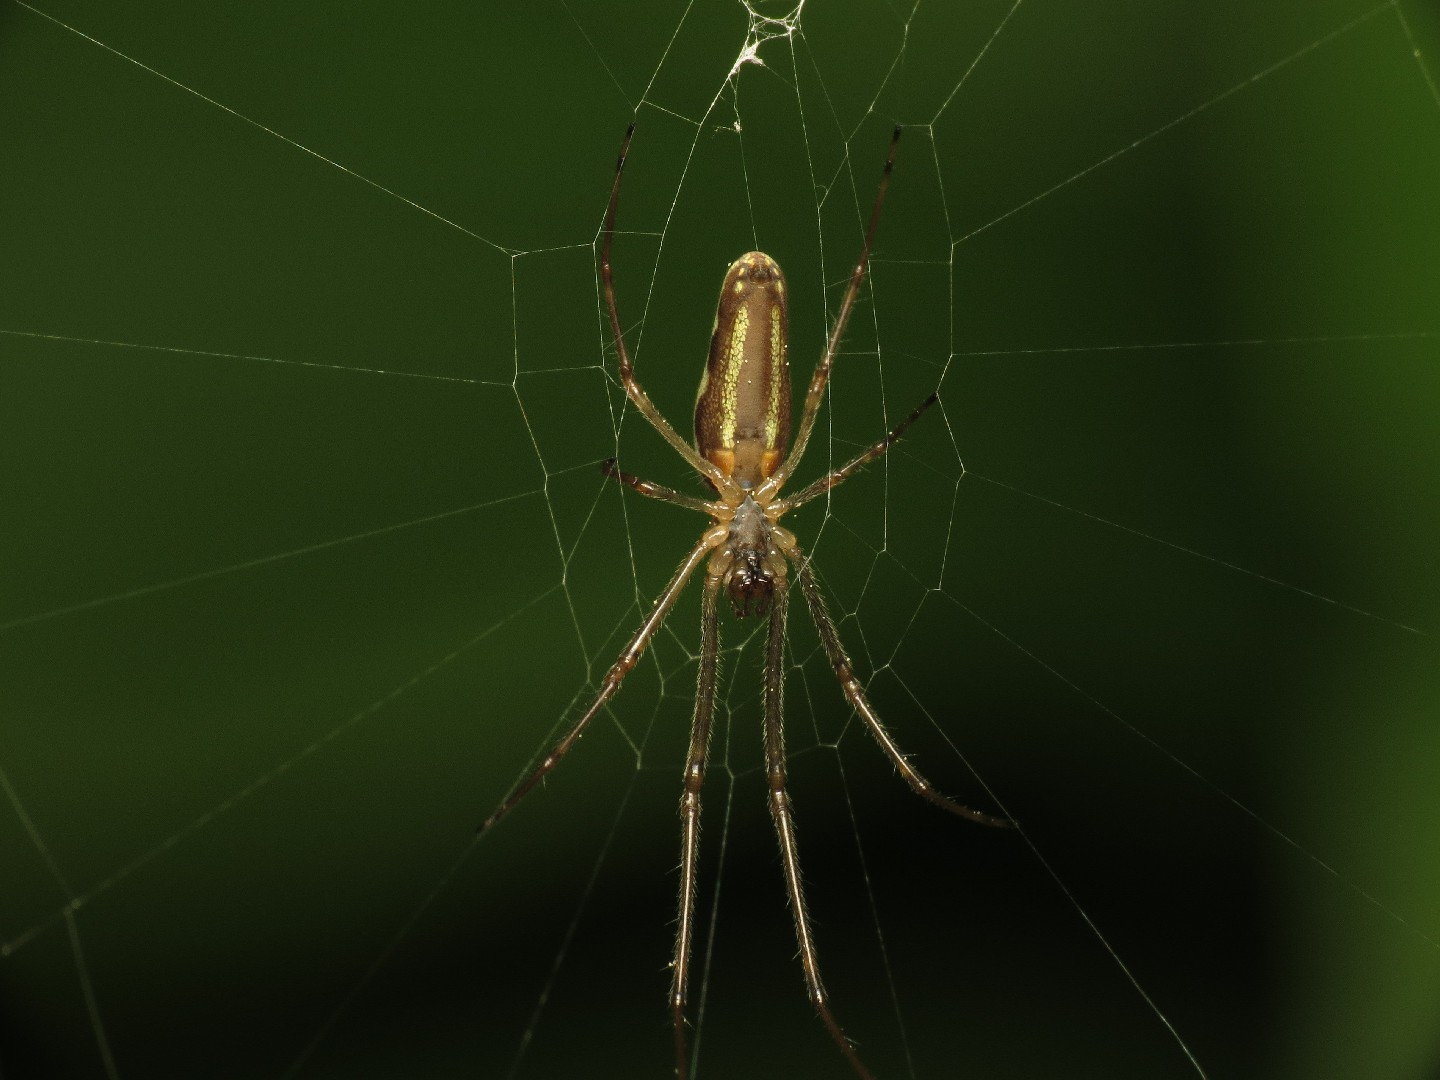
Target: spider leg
x,y
629,656
844,472
633,389
690,807
653,490
830,638
784,820
816,392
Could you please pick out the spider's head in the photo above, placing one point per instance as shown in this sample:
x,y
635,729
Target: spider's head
x,y
750,584
750,570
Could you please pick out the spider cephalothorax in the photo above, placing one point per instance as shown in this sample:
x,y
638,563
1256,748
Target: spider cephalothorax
x,y
748,561
742,432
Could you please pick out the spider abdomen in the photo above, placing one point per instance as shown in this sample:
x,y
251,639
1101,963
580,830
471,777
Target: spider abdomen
x,y
742,412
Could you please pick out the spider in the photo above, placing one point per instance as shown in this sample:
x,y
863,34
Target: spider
x,y
742,426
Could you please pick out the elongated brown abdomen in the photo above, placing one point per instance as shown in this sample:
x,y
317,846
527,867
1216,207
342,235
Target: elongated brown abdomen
x,y
742,413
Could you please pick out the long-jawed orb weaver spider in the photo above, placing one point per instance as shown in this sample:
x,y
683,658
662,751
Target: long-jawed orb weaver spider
x,y
742,425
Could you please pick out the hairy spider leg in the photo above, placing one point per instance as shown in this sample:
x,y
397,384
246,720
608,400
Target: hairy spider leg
x,y
629,656
855,694
816,393
784,819
690,806
652,490
633,389
844,472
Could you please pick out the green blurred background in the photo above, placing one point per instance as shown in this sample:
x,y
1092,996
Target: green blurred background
x,y
306,554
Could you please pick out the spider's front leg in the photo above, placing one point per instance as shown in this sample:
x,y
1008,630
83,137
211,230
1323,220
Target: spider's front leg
x,y
712,539
690,805
855,694
781,814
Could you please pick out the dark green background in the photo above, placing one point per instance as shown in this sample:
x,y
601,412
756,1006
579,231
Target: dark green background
x,y
253,777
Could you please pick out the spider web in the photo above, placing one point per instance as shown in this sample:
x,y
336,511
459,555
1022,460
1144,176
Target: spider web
x,y
307,556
